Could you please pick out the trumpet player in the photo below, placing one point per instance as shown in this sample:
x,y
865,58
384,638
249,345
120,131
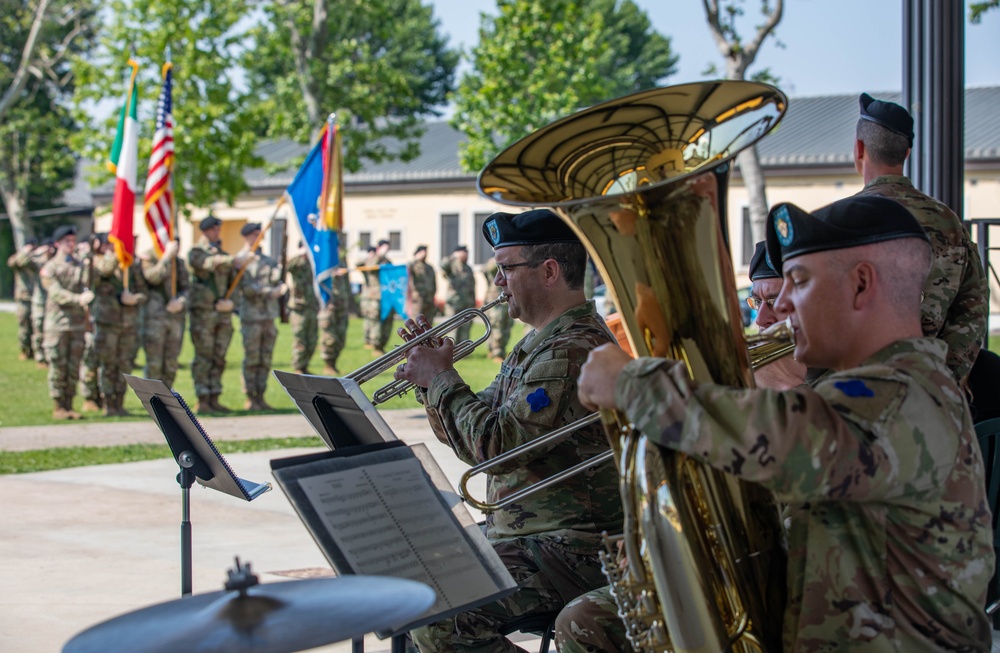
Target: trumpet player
x,y
765,284
549,542
890,537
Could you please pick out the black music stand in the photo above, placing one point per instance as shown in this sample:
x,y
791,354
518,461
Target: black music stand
x,y
195,454
337,409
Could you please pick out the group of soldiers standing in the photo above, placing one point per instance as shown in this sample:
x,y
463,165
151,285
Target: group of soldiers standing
x,y
84,318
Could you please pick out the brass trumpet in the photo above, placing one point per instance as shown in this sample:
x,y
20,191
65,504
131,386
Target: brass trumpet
x,y
391,359
765,347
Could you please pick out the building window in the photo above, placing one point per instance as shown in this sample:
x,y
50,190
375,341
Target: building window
x,y
747,237
395,241
364,240
484,250
449,233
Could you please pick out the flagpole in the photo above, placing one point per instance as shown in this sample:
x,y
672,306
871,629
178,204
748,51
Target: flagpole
x,y
167,66
253,248
128,110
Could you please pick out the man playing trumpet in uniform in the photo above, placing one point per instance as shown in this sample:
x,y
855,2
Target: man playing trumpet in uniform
x,y
549,542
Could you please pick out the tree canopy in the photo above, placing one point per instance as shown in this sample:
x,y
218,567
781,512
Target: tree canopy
x,y
380,65
538,60
37,42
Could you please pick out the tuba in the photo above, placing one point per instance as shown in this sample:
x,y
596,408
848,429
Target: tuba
x,y
642,181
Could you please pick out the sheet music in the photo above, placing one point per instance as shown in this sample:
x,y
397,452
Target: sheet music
x,y
387,520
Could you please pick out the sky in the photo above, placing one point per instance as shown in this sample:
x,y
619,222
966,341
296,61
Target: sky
x,y
831,46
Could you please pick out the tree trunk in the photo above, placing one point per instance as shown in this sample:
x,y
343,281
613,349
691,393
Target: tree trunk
x,y
753,179
14,204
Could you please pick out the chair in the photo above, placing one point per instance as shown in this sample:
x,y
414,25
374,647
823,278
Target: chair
x,y
987,432
542,624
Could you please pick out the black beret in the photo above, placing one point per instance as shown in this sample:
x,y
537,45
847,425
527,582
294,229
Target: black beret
x,y
48,241
103,237
850,222
420,248
383,242
760,266
529,228
249,228
209,222
888,114
31,240
460,248
62,232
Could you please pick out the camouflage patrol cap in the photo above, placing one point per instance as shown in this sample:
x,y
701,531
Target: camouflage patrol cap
x,y
250,228
760,266
529,228
63,231
850,222
888,114
208,222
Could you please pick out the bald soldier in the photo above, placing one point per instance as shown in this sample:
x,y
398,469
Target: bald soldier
x,y
956,294
549,542
890,536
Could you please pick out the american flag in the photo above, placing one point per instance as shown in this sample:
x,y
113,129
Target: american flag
x,y
159,189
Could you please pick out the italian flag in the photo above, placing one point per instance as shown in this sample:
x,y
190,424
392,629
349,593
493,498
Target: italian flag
x,y
123,162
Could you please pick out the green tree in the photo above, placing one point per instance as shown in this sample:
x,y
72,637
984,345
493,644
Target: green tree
x,y
37,41
739,54
977,9
213,132
538,60
380,65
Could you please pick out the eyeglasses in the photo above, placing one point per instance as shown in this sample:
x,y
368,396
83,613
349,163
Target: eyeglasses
x,y
756,302
502,269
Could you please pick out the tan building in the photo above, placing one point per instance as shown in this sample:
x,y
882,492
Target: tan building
x,y
430,200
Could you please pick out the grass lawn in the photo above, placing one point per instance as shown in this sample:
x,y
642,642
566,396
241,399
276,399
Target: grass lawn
x,y
26,400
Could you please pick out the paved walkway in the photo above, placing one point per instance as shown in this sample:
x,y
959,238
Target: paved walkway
x,y
80,546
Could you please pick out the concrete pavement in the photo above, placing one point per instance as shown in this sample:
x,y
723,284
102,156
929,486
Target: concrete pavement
x,y
79,546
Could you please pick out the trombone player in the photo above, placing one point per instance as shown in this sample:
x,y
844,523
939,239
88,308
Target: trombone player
x,y
549,541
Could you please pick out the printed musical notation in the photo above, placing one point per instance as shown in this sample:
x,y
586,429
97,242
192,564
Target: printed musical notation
x,y
387,519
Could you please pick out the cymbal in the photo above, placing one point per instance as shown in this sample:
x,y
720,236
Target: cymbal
x,y
271,618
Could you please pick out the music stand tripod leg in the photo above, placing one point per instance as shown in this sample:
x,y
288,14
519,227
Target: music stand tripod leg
x,y
186,479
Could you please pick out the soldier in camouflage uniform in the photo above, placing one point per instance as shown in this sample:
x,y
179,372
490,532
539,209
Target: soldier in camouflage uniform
x,y
550,541
64,278
39,298
377,330
462,287
90,365
25,267
303,308
956,294
116,324
333,320
500,320
421,286
166,311
212,272
890,535
260,288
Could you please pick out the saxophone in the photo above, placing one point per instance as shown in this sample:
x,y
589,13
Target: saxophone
x,y
642,180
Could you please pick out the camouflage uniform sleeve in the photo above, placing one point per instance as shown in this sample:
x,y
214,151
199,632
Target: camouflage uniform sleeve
x,y
795,442
59,294
156,272
965,325
446,268
105,265
478,432
203,261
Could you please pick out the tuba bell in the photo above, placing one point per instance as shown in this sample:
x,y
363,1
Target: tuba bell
x,y
642,181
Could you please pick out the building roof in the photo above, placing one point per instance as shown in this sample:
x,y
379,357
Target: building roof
x,y
816,132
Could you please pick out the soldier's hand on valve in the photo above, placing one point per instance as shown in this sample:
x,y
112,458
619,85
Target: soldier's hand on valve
x,y
425,363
